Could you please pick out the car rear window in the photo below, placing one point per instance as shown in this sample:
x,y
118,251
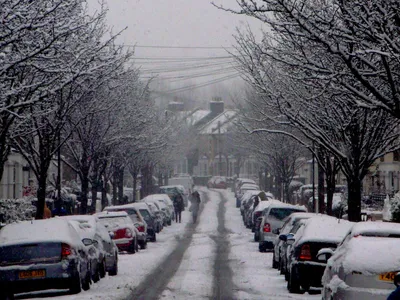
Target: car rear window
x,y
30,253
281,212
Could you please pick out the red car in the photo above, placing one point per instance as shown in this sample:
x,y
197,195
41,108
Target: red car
x,y
122,230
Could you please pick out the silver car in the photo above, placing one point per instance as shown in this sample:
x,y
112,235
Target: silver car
x,y
42,254
364,264
272,220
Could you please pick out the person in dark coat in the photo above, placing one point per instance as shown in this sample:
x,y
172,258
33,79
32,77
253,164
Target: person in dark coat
x,y
179,205
195,205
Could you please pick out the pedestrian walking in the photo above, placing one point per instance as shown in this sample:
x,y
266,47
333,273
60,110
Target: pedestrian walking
x,y
179,205
195,205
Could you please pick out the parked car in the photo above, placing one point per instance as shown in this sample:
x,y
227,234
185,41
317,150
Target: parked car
x,y
107,250
165,199
122,228
138,220
257,212
287,228
286,248
364,264
42,254
158,217
245,197
304,269
272,219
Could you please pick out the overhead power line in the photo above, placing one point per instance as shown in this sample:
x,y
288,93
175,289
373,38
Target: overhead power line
x,y
177,47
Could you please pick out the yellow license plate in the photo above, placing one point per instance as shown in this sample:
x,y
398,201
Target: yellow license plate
x,y
32,274
387,276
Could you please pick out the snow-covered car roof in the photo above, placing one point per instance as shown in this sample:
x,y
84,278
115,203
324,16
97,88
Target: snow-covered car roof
x,y
48,230
249,193
249,186
368,255
111,214
300,215
264,204
89,226
137,205
323,228
276,203
376,228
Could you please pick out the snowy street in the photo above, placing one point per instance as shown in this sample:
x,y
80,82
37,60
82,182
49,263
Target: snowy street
x,y
213,259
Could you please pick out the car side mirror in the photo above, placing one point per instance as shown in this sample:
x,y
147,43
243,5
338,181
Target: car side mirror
x,y
87,242
112,234
324,254
283,237
290,239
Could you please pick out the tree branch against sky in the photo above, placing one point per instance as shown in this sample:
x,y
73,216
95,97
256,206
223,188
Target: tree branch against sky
x,y
294,74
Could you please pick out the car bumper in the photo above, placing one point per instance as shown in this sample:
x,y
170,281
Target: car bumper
x,y
352,293
57,276
309,273
123,244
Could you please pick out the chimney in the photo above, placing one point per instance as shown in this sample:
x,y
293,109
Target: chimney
x,y
217,106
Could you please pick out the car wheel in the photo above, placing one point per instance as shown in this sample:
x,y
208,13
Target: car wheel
x,y
86,282
96,274
114,270
275,264
262,248
154,238
281,267
256,238
293,284
132,248
102,269
143,245
76,286
136,245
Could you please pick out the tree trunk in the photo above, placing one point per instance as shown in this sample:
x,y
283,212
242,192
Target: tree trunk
x,y
41,194
134,184
84,191
92,208
354,199
121,186
321,190
104,199
115,188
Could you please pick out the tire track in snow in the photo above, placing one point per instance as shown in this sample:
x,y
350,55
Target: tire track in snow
x,y
223,276
157,281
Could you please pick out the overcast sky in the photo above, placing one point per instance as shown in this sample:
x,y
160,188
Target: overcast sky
x,y
153,25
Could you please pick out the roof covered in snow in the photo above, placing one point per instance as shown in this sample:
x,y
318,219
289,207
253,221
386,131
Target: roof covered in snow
x,y
224,120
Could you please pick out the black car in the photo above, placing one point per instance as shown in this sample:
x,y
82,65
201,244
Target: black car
x,y
304,269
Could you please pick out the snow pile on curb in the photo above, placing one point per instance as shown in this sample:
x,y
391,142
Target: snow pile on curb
x,y
336,283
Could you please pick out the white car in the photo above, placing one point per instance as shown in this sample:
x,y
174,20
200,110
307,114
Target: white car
x,y
364,264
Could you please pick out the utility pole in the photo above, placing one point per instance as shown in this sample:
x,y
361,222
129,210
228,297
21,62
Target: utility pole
x,y
219,148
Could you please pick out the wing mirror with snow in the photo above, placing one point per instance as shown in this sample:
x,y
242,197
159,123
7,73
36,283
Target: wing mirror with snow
x,y
290,239
396,279
324,254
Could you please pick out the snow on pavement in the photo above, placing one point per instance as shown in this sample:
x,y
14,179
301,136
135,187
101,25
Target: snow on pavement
x,y
194,278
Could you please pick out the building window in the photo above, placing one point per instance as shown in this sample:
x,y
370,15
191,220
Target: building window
x,y
382,158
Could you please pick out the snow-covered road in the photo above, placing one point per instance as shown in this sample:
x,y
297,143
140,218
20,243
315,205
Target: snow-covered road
x,y
213,259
